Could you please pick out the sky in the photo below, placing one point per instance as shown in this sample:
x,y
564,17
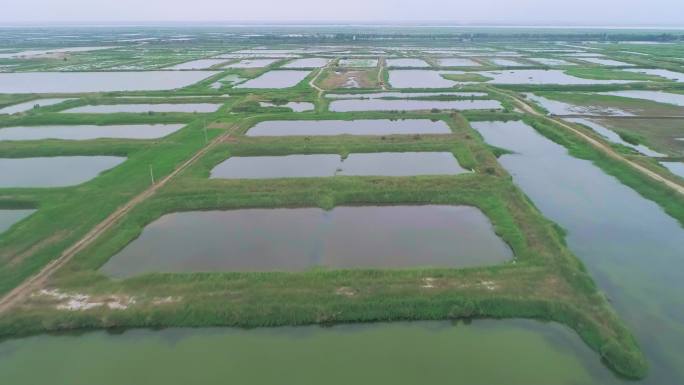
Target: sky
x,y
492,12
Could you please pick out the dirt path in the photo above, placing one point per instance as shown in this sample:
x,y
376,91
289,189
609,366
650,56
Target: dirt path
x,y
37,281
605,148
381,79
312,82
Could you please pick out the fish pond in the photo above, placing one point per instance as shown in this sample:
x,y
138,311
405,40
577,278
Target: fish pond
x,y
303,238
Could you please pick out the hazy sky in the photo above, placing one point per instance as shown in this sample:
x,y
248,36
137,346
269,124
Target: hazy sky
x,y
574,12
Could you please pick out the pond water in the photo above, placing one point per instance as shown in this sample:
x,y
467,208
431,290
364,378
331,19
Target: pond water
x,y
605,62
86,132
541,77
311,62
396,353
411,105
656,96
327,165
407,62
75,82
358,63
144,108
55,171
506,62
10,217
348,127
630,245
401,164
418,79
31,53
200,64
614,137
405,95
252,63
302,238
667,74
276,79
676,168
26,106
556,107
295,106
457,62
551,62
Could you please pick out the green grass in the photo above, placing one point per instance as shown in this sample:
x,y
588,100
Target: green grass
x,y
611,74
467,77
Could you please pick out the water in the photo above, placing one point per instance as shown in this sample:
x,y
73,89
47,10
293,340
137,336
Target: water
x,y
556,107
401,164
53,172
327,165
457,62
656,96
294,106
303,238
348,127
26,106
676,168
312,62
32,53
631,247
605,62
290,166
252,63
276,79
541,77
418,79
200,64
397,353
407,62
667,74
614,137
551,62
405,95
144,108
75,82
10,217
411,105
358,63
506,62
86,132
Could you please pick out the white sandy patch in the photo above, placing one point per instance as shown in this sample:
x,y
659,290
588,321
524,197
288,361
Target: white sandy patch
x,y
80,302
345,291
428,283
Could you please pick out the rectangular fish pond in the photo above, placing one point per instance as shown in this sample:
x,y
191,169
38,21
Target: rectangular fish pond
x,y
302,238
87,132
53,171
348,127
144,108
326,165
